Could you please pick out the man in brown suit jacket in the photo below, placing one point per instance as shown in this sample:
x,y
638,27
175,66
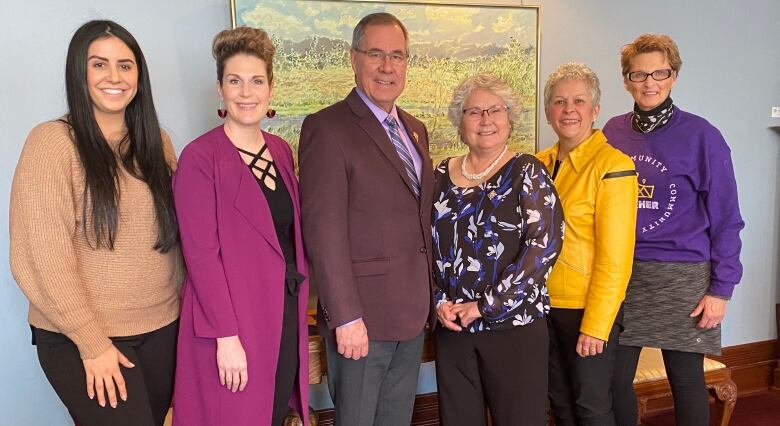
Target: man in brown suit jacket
x,y
366,185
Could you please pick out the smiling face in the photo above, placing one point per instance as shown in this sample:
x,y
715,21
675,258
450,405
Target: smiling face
x,y
650,93
485,132
245,89
571,112
381,81
112,76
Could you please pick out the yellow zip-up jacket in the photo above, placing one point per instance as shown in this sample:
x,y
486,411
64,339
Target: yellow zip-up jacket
x,y
597,186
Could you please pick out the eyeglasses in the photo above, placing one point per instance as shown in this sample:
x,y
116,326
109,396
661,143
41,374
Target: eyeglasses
x,y
377,56
658,75
477,113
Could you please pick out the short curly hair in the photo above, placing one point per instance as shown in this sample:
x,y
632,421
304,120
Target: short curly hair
x,y
490,83
246,40
648,43
573,71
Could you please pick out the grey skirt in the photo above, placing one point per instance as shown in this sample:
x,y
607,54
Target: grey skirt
x,y
659,300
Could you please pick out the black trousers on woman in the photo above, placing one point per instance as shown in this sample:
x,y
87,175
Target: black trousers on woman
x,y
149,384
287,364
505,370
685,371
580,387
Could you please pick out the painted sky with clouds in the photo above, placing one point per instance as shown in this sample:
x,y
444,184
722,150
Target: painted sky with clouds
x,y
297,20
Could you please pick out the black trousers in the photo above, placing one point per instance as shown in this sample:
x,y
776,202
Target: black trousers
x,y
685,371
149,384
503,370
287,364
580,387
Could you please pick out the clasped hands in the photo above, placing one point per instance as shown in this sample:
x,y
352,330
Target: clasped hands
x,y
464,313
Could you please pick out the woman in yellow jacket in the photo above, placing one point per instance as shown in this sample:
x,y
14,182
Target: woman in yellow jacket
x,y
597,186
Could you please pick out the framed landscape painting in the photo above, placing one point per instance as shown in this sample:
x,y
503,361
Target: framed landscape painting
x,y
447,43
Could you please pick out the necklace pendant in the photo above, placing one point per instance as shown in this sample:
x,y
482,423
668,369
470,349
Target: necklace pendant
x,y
491,195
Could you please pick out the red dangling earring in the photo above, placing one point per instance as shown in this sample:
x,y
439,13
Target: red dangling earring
x,y
221,111
270,113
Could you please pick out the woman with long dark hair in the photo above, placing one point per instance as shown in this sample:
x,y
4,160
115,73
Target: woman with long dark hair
x,y
94,241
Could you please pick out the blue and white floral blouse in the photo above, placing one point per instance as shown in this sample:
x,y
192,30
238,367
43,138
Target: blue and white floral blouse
x,y
496,243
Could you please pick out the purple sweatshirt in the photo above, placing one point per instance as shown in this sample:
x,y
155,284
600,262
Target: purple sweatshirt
x,y
688,209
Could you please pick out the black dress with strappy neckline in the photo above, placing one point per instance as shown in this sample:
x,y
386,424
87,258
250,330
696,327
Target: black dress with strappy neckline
x,y
279,200
283,215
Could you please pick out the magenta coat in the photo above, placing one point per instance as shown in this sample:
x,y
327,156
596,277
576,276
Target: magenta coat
x,y
234,284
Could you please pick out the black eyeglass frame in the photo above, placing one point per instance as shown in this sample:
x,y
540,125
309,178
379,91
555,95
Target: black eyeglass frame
x,y
650,74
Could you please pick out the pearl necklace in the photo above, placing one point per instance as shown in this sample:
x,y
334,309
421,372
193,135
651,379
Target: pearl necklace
x,y
479,176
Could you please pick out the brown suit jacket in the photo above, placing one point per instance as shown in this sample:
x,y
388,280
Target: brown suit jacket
x,y
367,236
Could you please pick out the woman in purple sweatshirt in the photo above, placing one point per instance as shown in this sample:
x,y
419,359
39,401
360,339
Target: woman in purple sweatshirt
x,y
686,259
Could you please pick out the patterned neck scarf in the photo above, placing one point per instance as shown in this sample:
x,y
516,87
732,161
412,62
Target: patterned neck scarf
x,y
647,121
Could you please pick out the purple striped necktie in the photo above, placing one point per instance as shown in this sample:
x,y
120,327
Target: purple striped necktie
x,y
406,158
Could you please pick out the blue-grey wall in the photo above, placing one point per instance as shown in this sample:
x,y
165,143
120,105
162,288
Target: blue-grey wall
x,y
729,76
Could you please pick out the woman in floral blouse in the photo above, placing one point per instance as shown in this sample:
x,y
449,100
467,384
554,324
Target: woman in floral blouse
x,y
497,231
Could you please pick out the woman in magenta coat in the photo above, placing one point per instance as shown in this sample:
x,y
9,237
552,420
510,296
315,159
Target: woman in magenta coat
x,y
243,342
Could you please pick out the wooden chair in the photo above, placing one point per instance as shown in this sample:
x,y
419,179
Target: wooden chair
x,y
650,382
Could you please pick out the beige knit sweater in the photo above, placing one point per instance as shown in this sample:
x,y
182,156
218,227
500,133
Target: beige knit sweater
x,y
87,294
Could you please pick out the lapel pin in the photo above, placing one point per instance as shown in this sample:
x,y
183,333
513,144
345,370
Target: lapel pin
x,y
415,137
